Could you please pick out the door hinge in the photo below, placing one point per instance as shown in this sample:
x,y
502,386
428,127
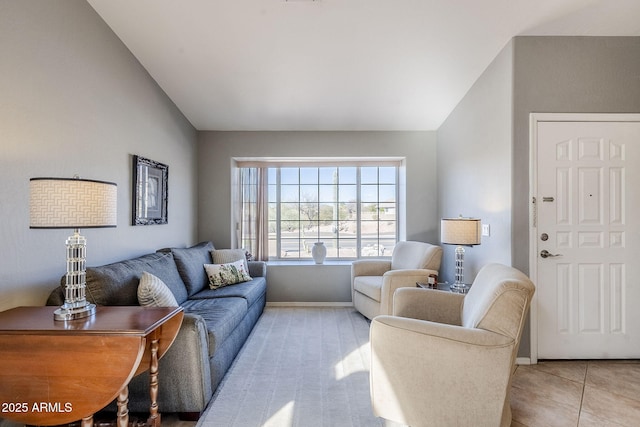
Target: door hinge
x,y
534,213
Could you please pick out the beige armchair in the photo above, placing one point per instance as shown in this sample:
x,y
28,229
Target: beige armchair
x,y
373,282
447,359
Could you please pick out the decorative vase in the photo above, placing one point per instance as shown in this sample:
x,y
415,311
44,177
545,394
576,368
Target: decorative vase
x,y
319,252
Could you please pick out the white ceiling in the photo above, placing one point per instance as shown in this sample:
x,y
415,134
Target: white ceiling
x,y
337,64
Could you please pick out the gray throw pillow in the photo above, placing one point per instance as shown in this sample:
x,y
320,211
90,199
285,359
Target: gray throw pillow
x,y
225,256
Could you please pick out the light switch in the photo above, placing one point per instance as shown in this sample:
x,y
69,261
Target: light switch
x,y
485,230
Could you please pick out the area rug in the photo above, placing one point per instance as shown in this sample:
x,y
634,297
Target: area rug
x,y
300,367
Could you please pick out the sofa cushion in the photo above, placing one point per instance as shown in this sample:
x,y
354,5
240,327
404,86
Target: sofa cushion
x,y
370,286
190,263
221,315
250,291
117,283
153,292
221,275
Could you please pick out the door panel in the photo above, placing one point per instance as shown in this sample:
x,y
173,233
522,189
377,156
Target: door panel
x,y
588,187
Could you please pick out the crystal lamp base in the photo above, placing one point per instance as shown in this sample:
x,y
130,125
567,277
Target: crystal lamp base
x,y
459,288
75,312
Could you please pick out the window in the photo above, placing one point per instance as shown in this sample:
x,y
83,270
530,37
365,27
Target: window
x,y
352,208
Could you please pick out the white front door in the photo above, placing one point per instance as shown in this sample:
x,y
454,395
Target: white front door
x,y
587,240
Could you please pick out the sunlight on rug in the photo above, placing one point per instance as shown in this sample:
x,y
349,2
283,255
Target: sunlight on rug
x,y
300,367
352,363
284,417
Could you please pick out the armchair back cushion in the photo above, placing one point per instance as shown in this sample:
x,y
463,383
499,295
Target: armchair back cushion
x,y
497,300
416,255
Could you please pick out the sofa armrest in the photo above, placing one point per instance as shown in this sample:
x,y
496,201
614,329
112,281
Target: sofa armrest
x,y
187,368
396,279
428,304
257,268
185,372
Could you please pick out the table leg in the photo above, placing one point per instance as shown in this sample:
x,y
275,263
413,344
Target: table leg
x,y
154,416
123,410
87,421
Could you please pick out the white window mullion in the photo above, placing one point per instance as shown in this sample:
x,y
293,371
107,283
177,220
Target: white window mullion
x,y
278,214
301,242
397,204
378,208
358,214
318,239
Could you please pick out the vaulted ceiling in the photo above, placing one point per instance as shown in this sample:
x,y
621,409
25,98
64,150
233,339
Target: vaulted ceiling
x,y
337,64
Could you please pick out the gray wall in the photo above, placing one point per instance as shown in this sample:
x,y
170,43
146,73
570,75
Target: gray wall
x,y
483,146
216,149
475,166
565,75
307,282
73,100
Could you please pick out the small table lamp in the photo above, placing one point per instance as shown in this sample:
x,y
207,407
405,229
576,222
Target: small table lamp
x,y
73,203
462,232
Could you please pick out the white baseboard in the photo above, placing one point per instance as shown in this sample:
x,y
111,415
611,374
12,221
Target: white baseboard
x,y
523,361
309,304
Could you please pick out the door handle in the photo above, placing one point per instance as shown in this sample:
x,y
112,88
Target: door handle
x,y
546,254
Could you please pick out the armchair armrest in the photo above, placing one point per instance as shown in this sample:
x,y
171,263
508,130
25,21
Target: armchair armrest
x,y
369,267
454,335
395,279
428,304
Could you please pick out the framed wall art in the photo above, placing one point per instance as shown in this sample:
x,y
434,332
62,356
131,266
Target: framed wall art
x,y
150,191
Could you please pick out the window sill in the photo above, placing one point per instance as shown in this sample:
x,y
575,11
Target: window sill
x,y
310,262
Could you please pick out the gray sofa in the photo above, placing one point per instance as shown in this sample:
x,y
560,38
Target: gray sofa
x,y
216,322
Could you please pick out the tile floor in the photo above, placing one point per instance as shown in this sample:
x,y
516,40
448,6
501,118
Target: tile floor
x,y
577,393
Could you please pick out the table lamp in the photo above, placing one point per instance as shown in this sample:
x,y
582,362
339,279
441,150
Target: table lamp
x,y
462,232
73,203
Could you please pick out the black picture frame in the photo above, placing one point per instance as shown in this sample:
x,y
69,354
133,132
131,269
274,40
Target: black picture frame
x,y
150,192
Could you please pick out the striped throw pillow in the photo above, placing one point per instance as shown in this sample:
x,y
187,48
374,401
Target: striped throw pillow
x,y
153,292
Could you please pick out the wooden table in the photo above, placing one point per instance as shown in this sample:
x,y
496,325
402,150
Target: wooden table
x,y
55,372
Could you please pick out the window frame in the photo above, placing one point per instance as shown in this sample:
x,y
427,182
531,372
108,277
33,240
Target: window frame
x,y
337,163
